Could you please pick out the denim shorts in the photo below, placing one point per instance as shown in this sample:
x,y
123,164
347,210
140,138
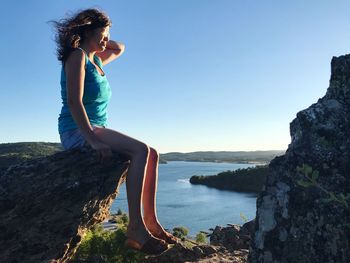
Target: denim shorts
x,y
73,138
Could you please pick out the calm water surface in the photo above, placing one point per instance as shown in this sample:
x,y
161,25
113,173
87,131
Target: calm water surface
x,y
196,207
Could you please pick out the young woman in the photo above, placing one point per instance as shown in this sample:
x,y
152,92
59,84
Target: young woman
x,y
84,48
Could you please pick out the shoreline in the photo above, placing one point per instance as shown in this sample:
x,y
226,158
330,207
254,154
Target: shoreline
x,y
217,161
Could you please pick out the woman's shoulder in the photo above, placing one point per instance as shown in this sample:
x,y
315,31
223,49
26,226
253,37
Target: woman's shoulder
x,y
76,54
76,58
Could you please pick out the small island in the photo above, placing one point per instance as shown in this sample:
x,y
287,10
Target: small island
x,y
249,179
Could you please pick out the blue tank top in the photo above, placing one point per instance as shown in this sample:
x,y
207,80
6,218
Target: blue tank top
x,y
97,93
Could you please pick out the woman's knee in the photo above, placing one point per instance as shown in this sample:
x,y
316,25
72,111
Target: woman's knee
x,y
141,150
154,155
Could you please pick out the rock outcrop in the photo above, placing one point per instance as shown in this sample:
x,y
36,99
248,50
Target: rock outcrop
x,y
303,212
47,204
234,237
227,245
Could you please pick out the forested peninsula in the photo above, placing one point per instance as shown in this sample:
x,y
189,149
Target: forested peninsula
x,y
249,179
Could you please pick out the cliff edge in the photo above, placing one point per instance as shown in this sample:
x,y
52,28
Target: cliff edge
x,y
303,213
47,204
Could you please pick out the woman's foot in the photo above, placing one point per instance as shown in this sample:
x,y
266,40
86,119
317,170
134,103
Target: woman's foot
x,y
158,231
153,246
140,239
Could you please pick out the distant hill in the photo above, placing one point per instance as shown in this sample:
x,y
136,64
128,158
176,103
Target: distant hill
x,y
224,156
12,153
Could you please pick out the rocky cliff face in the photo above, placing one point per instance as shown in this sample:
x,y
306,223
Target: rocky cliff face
x,y
303,213
47,204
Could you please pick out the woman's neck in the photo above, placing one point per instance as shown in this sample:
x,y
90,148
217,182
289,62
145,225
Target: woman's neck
x,y
88,51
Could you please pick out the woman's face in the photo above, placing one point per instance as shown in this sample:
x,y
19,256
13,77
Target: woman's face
x,y
99,38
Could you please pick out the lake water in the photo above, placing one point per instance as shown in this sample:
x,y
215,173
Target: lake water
x,y
196,207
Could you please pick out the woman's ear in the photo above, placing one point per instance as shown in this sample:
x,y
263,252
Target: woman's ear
x,y
86,34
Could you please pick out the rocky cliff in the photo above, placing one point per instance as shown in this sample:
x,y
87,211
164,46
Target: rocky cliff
x,y
46,204
303,213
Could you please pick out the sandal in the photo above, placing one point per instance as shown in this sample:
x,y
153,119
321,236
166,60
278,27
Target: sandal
x,y
152,246
171,239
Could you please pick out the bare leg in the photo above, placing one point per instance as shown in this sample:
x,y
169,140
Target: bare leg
x,y
149,197
150,189
138,153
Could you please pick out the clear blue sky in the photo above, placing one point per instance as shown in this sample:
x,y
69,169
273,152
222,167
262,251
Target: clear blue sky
x,y
195,75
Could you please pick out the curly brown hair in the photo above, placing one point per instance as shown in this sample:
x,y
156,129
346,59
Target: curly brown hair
x,y
74,29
